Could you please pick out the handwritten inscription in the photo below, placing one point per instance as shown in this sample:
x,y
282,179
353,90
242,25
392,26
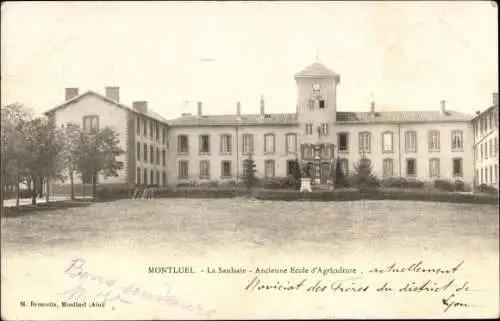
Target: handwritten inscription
x,y
96,288
443,282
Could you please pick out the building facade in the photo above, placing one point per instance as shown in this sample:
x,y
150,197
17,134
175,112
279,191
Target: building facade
x,y
485,126
424,145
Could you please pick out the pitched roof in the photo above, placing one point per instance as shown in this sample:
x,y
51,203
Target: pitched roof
x,y
342,117
316,70
222,120
150,113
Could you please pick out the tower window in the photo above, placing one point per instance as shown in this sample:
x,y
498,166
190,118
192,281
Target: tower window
x,y
322,104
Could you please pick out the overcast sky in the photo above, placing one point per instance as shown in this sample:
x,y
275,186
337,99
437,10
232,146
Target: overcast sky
x,y
410,55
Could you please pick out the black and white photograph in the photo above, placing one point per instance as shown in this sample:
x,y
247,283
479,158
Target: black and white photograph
x,y
194,160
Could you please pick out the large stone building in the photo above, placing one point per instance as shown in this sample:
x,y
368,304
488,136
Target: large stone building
x,y
424,145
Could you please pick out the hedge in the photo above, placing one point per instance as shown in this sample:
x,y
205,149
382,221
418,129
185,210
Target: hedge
x,y
376,194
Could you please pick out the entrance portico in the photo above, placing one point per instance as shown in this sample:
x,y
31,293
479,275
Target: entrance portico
x,y
320,157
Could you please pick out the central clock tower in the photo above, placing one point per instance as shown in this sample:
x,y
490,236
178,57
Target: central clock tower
x,y
316,114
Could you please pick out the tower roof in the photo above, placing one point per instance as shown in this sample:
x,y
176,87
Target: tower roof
x,y
317,69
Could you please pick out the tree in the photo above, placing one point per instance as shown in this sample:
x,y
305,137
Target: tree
x,y
296,173
96,153
249,179
362,176
340,179
13,118
43,144
72,134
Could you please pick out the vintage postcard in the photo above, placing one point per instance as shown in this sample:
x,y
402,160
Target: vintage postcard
x,y
249,160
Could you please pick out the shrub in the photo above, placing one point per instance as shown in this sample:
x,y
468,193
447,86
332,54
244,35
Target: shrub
x,y
459,185
110,193
211,184
188,184
279,183
444,185
340,179
296,174
249,179
401,182
483,188
363,177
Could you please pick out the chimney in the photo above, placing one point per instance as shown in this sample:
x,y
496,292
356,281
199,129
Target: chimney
x,y
443,107
140,106
113,93
71,93
238,108
262,104
495,99
199,109
372,107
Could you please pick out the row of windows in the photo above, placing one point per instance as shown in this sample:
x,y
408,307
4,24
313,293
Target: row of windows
x,y
247,144
492,143
143,176
154,129
322,129
269,168
486,122
485,175
151,154
410,141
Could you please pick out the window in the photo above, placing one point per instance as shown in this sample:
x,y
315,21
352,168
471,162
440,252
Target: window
x,y
269,147
486,150
183,169
491,147
138,174
411,141
387,142
325,152
457,167
269,168
145,152
163,178
411,167
434,167
496,172
225,144
495,146
344,165
158,177
138,150
163,154
433,140
457,143
151,129
486,174
309,129
226,169
321,103
157,130
138,121
481,146
157,156
290,167
388,167
343,142
247,143
164,136
364,142
311,103
183,144
204,144
307,151
145,176
90,123
151,177
204,169
491,174
151,155
145,127
482,178
324,129
291,143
